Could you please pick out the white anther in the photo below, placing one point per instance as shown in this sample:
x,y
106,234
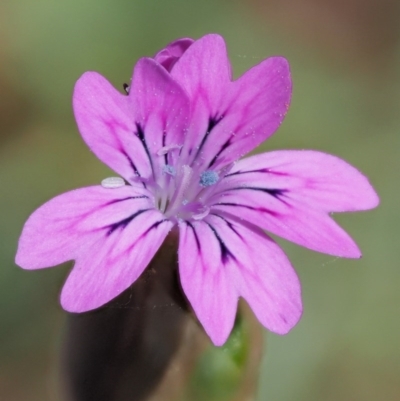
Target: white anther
x,y
113,182
165,149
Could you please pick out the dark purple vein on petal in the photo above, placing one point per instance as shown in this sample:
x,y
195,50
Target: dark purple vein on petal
x,y
257,209
133,166
263,170
124,222
223,147
140,134
212,122
225,252
164,141
111,126
242,266
228,223
231,226
99,207
152,227
127,198
195,235
275,192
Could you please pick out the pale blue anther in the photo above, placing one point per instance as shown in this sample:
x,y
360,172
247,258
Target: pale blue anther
x,y
208,178
168,169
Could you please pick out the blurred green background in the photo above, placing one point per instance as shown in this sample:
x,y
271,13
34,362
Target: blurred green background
x,y
345,60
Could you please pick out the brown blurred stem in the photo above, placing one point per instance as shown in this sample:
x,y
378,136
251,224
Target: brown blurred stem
x,y
121,351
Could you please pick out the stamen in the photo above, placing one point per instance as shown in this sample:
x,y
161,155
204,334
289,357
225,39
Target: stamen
x,y
113,182
208,178
168,169
166,149
180,191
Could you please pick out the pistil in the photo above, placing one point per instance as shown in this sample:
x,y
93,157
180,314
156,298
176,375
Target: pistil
x,y
179,196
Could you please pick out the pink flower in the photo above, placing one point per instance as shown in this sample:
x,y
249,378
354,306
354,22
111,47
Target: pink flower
x,y
176,140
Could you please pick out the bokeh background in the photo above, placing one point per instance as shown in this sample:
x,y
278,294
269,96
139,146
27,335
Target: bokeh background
x,y
345,60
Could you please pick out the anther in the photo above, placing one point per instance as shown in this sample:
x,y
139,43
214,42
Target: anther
x,y
208,178
168,169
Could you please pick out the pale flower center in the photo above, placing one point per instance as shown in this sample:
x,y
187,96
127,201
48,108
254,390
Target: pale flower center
x,y
180,192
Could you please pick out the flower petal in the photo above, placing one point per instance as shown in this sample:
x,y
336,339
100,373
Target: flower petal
x,y
268,281
289,194
65,227
126,132
204,72
217,263
115,261
253,109
161,112
105,121
111,233
205,280
230,118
